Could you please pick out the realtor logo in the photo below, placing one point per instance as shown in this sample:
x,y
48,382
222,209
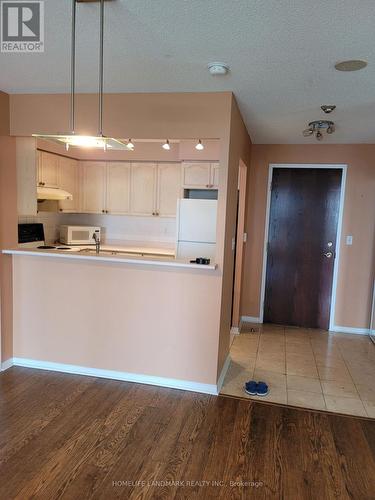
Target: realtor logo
x,y
22,26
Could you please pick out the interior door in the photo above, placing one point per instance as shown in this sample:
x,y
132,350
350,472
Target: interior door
x,y
302,246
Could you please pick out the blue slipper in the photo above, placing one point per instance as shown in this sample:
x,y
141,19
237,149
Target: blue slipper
x,y
262,389
251,387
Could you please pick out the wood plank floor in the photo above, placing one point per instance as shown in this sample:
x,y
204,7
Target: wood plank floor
x,y
73,437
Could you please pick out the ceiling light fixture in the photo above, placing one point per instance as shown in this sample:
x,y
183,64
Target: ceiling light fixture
x,y
328,108
71,139
166,145
218,68
351,65
199,146
130,146
316,127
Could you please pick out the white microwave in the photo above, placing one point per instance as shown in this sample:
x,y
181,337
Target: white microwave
x,y
78,235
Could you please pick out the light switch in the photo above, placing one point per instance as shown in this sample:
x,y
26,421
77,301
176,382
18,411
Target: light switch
x,y
349,239
244,237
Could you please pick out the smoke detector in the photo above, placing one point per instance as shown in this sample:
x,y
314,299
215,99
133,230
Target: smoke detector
x,y
218,68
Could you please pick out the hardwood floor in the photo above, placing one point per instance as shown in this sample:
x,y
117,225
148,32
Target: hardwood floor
x,y
73,437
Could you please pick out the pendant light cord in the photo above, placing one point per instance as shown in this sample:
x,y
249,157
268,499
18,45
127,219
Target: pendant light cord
x,y
101,68
73,69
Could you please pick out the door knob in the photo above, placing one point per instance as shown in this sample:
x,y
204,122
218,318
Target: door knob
x,y
329,255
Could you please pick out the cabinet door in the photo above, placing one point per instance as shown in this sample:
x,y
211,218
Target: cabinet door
x,y
143,189
93,187
215,175
26,165
69,181
196,175
49,171
118,188
168,188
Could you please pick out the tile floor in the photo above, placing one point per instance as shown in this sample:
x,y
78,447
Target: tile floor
x,y
308,368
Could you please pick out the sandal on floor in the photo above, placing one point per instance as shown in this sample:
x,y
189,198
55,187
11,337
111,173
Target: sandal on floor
x,y
262,389
251,388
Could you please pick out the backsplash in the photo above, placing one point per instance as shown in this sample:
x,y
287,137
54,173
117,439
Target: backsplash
x,y
114,227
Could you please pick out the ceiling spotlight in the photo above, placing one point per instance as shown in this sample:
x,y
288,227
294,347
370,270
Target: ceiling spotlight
x,y
351,65
130,145
199,146
166,145
218,68
307,132
316,127
328,108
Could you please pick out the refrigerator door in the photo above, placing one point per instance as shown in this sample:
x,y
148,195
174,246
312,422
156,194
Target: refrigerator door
x,y
197,220
188,250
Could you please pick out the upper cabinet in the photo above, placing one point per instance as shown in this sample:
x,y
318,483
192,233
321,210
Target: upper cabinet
x,y
200,175
118,188
93,187
26,160
143,189
48,169
69,181
168,189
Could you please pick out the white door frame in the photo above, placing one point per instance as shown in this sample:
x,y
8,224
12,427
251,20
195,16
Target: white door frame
x,y
338,234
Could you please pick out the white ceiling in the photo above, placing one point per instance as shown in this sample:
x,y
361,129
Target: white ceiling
x,y
281,54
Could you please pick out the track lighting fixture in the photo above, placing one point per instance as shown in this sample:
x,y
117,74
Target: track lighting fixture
x,y
316,127
199,146
130,145
328,108
166,145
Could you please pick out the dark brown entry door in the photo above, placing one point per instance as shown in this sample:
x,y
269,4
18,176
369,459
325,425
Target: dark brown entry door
x,y
301,246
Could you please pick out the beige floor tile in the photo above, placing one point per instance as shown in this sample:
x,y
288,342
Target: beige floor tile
x,y
302,369
276,395
367,391
338,373
370,408
349,406
297,383
300,358
344,389
271,362
246,362
272,379
329,360
299,348
306,399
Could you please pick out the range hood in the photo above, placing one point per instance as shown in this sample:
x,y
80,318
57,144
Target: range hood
x,y
46,193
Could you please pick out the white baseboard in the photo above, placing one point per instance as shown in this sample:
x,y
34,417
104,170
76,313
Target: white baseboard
x,y
115,375
6,364
223,373
234,330
347,329
251,319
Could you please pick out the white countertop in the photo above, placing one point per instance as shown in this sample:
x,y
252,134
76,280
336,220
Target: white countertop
x,y
151,256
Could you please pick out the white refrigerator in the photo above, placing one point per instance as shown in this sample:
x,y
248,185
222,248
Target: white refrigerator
x,y
196,228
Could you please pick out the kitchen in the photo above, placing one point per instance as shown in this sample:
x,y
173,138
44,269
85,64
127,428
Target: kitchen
x,y
131,200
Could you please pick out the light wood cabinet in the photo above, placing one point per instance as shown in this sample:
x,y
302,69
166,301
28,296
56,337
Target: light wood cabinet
x,y
200,175
118,188
26,161
69,181
143,188
168,189
196,174
48,169
93,187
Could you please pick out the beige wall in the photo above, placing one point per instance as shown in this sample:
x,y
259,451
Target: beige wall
x,y
239,148
8,225
129,318
356,270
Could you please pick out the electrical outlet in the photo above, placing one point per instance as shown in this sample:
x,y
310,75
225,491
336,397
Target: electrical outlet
x,y
349,239
244,237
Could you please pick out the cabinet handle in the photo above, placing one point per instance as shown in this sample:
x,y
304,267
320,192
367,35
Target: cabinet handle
x,y
106,212
103,211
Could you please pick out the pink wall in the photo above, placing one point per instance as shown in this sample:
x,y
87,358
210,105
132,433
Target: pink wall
x,y
356,271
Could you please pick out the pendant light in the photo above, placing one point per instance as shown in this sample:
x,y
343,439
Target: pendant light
x,y
71,139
